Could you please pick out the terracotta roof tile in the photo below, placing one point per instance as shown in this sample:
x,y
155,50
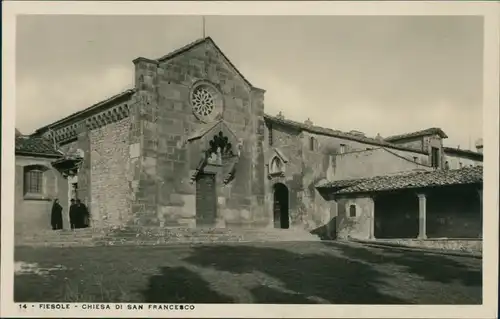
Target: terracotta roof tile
x,y
429,131
29,145
340,134
466,175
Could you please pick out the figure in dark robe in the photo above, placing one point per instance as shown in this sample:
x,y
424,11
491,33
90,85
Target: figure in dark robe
x,y
73,214
83,214
56,219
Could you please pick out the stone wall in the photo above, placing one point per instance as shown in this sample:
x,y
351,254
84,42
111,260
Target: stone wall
x,y
375,162
165,195
33,214
306,167
416,143
358,226
464,245
287,141
109,162
456,161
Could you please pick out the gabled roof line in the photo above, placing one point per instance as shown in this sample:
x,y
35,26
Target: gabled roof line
x,y
428,131
343,135
86,111
193,44
280,154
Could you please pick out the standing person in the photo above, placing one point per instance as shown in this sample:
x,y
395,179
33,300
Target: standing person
x,y
83,214
56,219
73,214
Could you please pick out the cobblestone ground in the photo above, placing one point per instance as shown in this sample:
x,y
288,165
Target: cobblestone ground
x,y
302,272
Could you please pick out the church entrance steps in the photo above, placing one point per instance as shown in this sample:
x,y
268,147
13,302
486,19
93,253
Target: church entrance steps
x,y
162,236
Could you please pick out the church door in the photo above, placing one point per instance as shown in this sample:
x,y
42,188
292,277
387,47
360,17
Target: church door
x,y
206,200
280,209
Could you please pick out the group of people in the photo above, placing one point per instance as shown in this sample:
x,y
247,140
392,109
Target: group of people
x,y
79,215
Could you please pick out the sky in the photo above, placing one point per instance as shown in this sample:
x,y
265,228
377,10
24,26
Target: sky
x,y
375,74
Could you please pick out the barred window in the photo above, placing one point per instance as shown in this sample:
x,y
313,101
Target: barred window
x,y
33,179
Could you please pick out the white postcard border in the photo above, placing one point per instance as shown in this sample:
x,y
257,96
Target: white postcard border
x,y
490,12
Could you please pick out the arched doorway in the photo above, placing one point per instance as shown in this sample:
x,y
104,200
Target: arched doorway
x,y
280,207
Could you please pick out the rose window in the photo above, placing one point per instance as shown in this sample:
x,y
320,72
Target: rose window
x,y
203,101
206,101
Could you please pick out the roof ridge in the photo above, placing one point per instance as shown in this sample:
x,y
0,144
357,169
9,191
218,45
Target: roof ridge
x,y
87,109
437,130
183,48
200,41
329,131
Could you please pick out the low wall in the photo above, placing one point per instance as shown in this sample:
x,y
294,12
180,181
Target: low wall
x,y
468,245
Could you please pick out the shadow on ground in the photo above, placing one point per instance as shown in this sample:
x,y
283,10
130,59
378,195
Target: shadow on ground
x,y
331,278
432,267
179,284
277,273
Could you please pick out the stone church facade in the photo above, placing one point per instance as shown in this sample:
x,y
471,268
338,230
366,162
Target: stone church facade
x,y
190,146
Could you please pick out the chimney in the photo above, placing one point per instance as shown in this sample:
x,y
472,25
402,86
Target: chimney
x,y
308,122
379,137
479,145
280,116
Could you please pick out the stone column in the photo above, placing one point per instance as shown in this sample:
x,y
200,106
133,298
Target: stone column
x,y
371,205
480,193
422,218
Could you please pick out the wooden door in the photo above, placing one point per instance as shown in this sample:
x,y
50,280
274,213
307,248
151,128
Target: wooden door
x,y
206,200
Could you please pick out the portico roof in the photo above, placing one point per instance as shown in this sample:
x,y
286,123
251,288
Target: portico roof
x,y
421,179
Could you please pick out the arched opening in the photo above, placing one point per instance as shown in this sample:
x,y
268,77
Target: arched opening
x,y
280,209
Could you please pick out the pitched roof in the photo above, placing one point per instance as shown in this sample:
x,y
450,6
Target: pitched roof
x,y
467,153
198,42
429,131
335,133
35,146
466,175
87,111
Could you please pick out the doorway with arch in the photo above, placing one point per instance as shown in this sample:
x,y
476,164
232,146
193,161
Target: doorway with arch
x,y
281,206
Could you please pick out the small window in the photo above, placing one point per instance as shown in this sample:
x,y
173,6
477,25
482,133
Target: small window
x,y
352,211
446,165
415,159
311,143
435,157
33,180
342,148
